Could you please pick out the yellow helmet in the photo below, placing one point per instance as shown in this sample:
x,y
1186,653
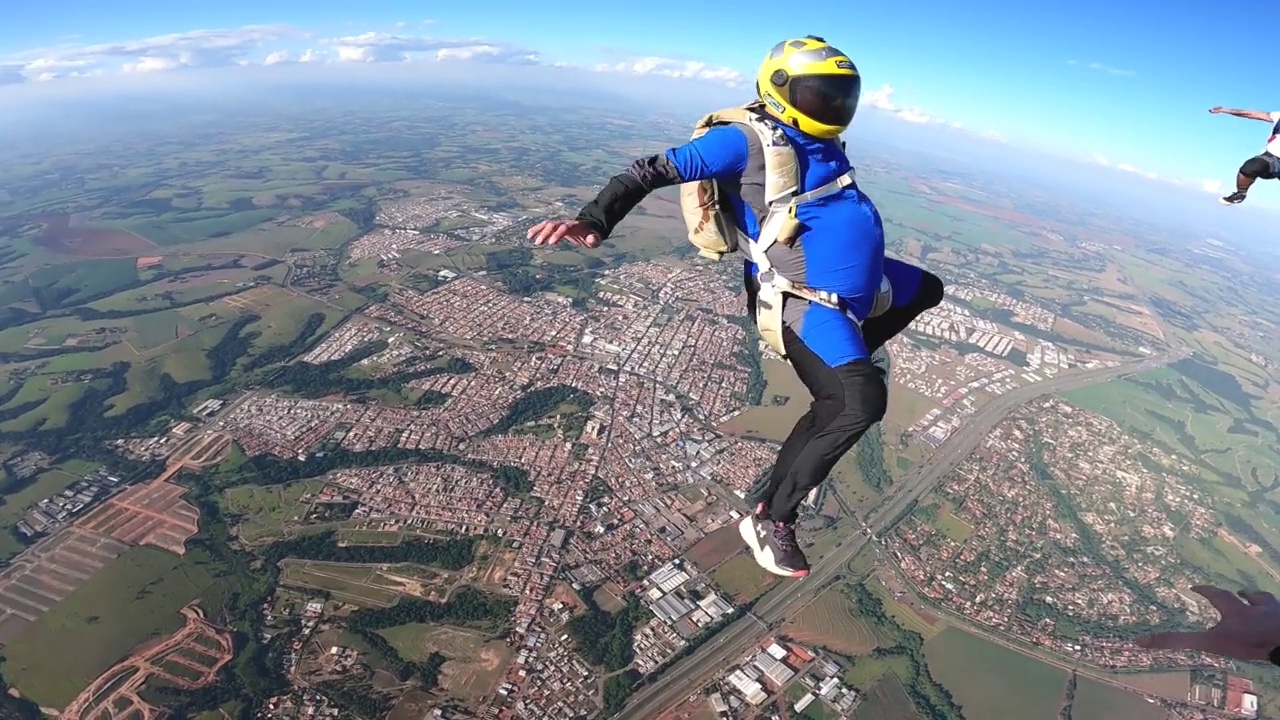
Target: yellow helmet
x,y
810,85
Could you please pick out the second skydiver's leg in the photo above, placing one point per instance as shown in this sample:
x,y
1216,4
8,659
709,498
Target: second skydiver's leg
x,y
1264,167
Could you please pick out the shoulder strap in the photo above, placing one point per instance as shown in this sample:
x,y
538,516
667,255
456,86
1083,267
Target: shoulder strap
x,y
781,169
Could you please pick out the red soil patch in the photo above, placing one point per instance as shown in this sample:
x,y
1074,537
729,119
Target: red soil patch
x,y
58,235
715,548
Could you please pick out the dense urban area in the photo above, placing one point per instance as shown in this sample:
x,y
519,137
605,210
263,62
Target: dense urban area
x,y
425,470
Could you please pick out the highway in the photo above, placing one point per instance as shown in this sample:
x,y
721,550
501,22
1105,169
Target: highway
x,y
733,641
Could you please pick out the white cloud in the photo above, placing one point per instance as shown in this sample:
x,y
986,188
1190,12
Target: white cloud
x,y
388,47
666,67
1209,186
197,48
882,99
1102,68
151,64
1100,159
280,45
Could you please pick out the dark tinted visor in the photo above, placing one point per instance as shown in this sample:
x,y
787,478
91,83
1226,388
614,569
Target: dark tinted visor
x,y
828,99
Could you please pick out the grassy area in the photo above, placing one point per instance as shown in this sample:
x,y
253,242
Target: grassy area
x,y
954,528
342,588
126,603
867,671
742,578
992,682
1098,701
331,236
832,621
265,512
369,537
886,701
905,615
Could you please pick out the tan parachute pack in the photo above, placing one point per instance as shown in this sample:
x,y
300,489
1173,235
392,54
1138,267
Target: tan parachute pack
x,y
714,231
709,220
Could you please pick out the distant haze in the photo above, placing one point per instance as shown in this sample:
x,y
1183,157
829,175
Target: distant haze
x,y
87,111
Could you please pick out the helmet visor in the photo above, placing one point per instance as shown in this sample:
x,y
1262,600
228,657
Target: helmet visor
x,y
828,99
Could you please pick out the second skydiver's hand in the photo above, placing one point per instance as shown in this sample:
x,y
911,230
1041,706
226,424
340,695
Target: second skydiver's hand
x,y
550,232
1216,109
1249,628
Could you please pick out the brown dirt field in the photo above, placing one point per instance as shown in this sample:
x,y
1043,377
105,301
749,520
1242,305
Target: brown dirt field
x,y
830,622
1007,215
1173,685
1069,330
715,548
58,235
157,515
608,597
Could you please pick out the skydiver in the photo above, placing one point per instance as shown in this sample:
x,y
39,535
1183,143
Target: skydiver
x,y
1249,628
1265,165
820,289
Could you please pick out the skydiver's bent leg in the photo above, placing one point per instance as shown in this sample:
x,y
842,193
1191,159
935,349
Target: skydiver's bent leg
x,y
1263,167
914,291
847,401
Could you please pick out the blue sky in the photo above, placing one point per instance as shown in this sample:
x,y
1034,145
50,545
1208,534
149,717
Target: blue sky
x,y
1094,80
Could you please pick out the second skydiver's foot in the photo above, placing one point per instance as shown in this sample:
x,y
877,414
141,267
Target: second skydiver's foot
x,y
774,546
1234,198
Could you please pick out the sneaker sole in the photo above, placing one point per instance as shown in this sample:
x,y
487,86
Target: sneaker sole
x,y
1224,202
763,555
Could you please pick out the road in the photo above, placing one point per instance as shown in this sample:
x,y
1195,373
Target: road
x,y
772,608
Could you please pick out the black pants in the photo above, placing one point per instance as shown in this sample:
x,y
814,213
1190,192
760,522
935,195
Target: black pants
x,y
847,401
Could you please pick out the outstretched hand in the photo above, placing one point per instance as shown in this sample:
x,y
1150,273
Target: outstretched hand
x,y
550,232
1249,628
1216,109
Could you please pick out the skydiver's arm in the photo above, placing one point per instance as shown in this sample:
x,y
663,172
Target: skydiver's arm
x,y
1248,114
720,153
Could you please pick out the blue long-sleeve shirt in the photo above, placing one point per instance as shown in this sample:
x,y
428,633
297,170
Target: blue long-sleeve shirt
x,y
843,240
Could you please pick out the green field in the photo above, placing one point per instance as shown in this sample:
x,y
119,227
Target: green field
x,y
265,512
128,602
1168,408
991,682
742,578
886,701
338,581
1098,701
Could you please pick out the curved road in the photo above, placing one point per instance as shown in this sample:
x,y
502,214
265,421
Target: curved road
x,y
731,642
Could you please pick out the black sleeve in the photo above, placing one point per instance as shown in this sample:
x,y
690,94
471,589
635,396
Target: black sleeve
x,y
625,191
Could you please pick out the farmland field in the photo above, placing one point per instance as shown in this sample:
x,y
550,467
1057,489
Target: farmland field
x,y
742,578
1098,701
832,621
991,682
715,548
886,701
338,583
475,661
134,599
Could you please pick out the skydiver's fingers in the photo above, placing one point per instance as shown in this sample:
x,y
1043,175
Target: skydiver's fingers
x,y
1223,601
550,232
533,231
1258,597
1201,640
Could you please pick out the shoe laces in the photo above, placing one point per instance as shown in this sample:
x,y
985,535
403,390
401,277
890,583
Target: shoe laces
x,y
784,534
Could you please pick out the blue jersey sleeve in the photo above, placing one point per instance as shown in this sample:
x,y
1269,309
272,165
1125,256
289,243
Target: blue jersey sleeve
x,y
719,154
